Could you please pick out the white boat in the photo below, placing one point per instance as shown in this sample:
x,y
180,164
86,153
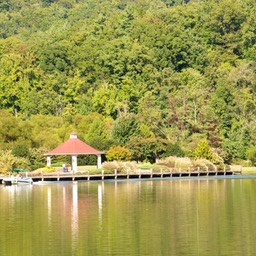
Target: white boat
x,y
17,180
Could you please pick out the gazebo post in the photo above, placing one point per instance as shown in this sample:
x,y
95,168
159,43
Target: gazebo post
x,y
74,163
48,160
98,161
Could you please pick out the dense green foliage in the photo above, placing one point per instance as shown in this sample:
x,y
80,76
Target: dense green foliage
x,y
203,150
8,162
251,154
118,153
139,74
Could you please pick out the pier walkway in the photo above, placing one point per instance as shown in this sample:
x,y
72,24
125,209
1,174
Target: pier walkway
x,y
121,176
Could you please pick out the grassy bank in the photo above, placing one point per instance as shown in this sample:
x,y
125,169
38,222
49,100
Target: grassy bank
x,y
249,170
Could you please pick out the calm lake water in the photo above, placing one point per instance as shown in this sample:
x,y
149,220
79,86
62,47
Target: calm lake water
x,y
160,217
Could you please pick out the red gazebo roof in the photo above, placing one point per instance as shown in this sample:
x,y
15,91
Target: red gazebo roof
x,y
74,146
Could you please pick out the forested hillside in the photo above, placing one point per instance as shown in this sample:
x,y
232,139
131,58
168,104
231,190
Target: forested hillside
x,y
153,76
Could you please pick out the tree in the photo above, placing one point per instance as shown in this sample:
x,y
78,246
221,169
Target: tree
x,y
124,128
146,149
104,100
150,114
173,150
188,99
98,134
170,69
203,150
10,129
251,154
21,150
37,158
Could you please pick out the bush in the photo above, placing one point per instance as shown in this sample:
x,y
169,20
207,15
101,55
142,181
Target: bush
x,y
217,160
46,169
119,166
176,162
186,163
118,153
203,164
9,162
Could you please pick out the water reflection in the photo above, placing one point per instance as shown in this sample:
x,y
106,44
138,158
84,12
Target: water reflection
x,y
74,215
162,217
49,205
64,198
100,199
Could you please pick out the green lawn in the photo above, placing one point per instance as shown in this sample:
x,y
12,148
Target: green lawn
x,y
148,166
249,170
87,168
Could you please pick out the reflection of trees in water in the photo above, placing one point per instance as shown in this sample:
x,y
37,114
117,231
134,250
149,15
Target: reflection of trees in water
x,y
49,205
100,203
160,217
74,216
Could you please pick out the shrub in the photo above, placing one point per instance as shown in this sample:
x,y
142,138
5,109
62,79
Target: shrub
x,y
46,169
217,160
119,166
203,164
9,162
176,162
186,163
118,153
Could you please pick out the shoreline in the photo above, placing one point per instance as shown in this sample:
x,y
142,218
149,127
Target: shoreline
x,y
128,176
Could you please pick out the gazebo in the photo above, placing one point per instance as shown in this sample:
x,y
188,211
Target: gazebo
x,y
74,147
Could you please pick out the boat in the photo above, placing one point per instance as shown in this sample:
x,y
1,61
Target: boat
x,y
17,180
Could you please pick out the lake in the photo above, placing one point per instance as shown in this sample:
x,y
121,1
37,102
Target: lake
x,y
214,216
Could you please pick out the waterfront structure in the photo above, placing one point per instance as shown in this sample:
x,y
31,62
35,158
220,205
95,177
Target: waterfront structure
x,y
139,174
74,147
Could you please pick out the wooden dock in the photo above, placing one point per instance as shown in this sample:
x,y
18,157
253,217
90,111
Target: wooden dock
x,y
126,176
